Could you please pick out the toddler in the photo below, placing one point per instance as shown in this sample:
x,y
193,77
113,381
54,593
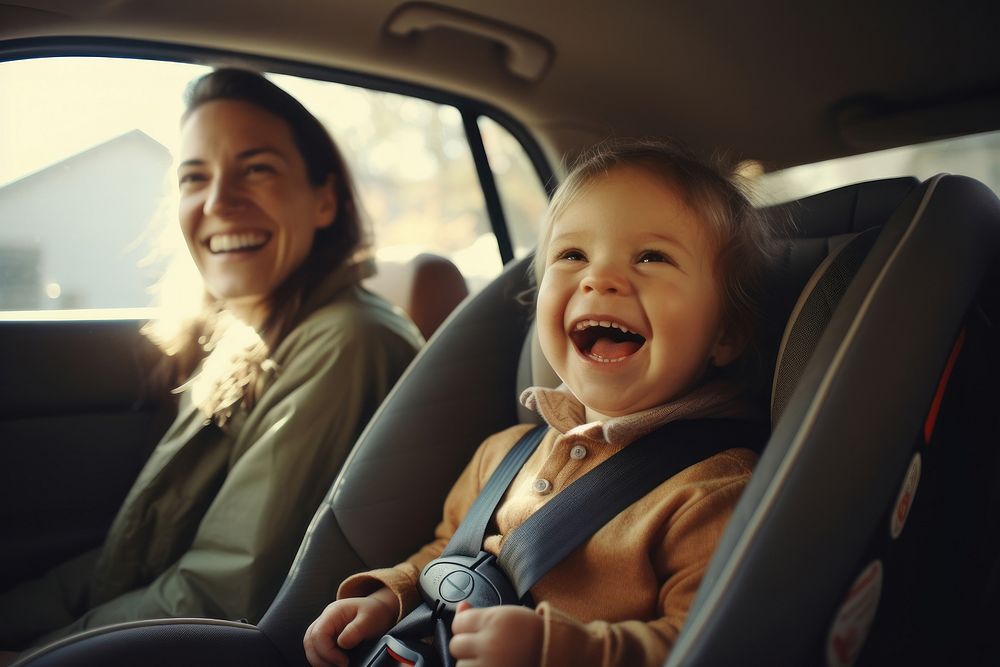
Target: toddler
x,y
647,270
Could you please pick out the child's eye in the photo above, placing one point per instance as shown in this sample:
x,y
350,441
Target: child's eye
x,y
572,255
648,256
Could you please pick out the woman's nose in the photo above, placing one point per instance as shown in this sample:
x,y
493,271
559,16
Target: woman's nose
x,y
605,279
223,197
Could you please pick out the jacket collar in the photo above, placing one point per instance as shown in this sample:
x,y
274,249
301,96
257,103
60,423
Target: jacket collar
x,y
217,385
350,273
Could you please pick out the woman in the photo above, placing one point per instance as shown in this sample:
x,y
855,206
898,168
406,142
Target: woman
x,y
286,362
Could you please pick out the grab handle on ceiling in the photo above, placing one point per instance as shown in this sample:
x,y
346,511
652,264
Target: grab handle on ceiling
x,y
527,55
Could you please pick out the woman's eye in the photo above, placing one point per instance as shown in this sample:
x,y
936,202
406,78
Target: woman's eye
x,y
185,179
260,168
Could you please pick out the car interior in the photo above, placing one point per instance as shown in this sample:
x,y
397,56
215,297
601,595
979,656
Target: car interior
x,y
852,408
869,531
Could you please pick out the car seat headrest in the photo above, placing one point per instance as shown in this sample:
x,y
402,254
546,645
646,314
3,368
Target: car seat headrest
x,y
812,311
428,287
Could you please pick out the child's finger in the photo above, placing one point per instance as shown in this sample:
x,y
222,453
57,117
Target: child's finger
x,y
464,646
467,619
353,633
333,619
338,659
320,639
321,651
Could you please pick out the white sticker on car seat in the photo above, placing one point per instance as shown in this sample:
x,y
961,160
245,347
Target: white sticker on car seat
x,y
854,617
904,501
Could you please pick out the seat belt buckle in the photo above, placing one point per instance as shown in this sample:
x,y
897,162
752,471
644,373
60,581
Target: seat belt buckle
x,y
390,652
478,580
444,582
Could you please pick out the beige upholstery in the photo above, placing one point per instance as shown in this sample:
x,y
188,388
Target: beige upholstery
x,y
428,287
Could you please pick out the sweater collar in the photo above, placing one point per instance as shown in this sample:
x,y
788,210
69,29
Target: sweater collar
x,y
564,412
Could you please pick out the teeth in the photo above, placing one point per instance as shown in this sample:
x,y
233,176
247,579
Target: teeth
x,y
606,361
231,242
586,324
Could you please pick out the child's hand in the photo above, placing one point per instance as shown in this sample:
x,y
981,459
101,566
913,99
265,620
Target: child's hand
x,y
346,623
505,636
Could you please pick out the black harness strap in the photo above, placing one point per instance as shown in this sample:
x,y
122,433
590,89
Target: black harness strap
x,y
468,538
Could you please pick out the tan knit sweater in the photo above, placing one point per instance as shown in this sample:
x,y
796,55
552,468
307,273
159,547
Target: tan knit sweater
x,y
622,598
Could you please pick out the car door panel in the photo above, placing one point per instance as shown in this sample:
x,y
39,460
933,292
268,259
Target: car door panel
x,y
77,422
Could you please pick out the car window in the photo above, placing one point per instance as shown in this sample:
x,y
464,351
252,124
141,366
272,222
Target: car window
x,y
86,181
414,170
977,156
86,146
522,194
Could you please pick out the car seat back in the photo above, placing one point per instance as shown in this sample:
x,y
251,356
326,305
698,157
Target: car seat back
x,y
388,497
820,551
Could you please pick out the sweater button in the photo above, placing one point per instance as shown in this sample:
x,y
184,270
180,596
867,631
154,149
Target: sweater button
x,y
578,452
542,485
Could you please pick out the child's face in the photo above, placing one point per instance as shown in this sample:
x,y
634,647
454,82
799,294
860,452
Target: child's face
x,y
629,252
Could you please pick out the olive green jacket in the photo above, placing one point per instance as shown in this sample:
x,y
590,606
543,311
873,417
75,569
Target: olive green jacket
x,y
216,516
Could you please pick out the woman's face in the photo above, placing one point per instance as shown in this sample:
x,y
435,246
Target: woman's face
x,y
247,208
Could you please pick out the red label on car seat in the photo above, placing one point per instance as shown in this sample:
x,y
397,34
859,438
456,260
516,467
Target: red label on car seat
x,y
854,617
904,500
932,414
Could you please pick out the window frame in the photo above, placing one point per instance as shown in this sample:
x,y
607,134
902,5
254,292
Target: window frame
x,y
469,108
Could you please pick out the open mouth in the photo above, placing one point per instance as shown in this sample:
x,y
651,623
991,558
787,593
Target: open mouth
x,y
237,242
605,341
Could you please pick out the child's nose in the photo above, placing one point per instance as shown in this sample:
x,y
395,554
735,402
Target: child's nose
x,y
604,280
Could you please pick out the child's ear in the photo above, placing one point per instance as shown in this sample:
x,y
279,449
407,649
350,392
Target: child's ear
x,y
728,347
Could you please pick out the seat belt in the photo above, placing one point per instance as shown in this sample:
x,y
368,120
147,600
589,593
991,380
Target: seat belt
x,y
469,536
466,573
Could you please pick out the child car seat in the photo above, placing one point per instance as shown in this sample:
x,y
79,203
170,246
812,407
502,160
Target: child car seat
x,y
751,608
847,526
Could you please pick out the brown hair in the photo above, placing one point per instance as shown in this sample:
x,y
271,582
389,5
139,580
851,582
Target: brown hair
x,y
745,239
332,245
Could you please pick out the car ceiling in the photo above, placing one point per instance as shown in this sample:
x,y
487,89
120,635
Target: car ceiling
x,y
778,81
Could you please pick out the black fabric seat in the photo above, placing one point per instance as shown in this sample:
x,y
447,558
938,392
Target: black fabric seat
x,y
855,381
